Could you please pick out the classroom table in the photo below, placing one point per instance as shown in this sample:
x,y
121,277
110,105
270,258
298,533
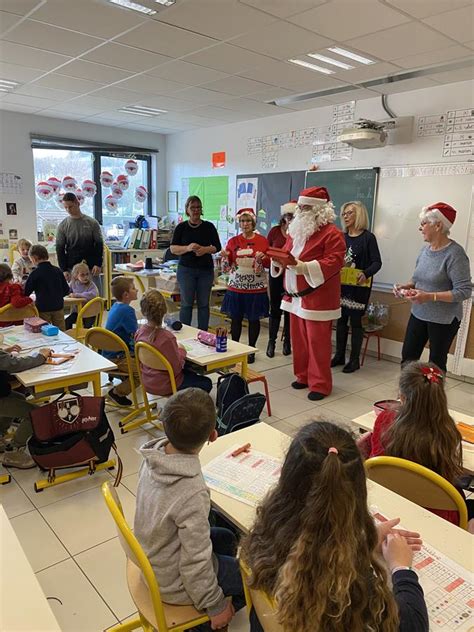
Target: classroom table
x,y
237,352
23,605
367,421
85,367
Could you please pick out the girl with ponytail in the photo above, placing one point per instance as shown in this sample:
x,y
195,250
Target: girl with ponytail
x,y
315,550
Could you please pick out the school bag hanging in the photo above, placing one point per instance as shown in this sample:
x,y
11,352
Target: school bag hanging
x,y
237,408
71,431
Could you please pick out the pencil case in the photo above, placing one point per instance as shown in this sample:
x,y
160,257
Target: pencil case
x,y
207,338
49,330
34,324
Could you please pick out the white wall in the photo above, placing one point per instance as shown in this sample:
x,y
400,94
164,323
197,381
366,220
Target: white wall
x,y
16,156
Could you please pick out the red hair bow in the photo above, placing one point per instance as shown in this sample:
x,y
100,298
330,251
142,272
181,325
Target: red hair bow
x,y
432,374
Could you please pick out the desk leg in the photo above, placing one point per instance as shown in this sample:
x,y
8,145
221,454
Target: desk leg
x,y
96,385
244,366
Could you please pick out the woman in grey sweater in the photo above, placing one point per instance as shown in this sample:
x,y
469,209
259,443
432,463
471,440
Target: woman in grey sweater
x,y
440,284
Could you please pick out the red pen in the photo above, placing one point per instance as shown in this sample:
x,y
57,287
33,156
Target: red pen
x,y
244,448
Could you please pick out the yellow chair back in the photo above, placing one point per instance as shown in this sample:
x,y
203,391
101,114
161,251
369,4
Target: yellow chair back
x,y
417,483
93,308
142,582
148,356
8,313
263,604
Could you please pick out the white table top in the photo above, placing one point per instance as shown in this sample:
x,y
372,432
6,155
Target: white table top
x,y
23,605
454,542
234,349
86,361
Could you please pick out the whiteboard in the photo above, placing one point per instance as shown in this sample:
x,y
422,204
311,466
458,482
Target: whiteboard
x,y
399,203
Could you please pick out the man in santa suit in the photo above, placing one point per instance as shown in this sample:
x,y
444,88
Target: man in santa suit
x,y
313,288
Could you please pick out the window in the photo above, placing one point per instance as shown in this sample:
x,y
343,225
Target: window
x,y
88,165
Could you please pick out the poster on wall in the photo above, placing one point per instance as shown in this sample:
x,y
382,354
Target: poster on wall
x,y
247,189
218,159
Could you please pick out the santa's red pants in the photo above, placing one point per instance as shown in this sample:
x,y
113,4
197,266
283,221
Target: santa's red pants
x,y
311,342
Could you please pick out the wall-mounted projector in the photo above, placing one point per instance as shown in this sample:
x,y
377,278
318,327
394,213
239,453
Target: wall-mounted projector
x,y
366,134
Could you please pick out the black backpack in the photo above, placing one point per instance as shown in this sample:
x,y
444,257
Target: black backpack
x,y
237,408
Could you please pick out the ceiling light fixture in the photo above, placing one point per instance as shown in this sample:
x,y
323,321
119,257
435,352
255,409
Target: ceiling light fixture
x,y
142,110
351,55
134,6
306,64
329,60
166,3
6,85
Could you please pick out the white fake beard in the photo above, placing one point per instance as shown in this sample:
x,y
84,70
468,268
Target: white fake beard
x,y
303,226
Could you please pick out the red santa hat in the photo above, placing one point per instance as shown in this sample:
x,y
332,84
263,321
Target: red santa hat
x,y
314,196
441,212
289,208
246,211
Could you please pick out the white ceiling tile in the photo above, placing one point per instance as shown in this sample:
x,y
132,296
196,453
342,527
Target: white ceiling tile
x,y
344,19
88,16
175,119
440,56
8,20
23,99
200,96
125,57
462,74
470,44
95,102
150,85
412,39
457,24
166,103
353,95
94,72
33,90
184,72
238,86
51,38
270,94
404,86
424,8
14,107
70,84
281,40
119,94
20,7
32,57
254,107
283,8
73,109
291,77
364,73
62,113
226,58
113,118
164,39
18,73
308,104
220,20
219,114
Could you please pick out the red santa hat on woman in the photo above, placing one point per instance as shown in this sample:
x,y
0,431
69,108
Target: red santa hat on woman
x,y
439,212
246,211
289,208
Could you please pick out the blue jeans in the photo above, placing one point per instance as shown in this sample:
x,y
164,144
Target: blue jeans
x,y
194,380
195,282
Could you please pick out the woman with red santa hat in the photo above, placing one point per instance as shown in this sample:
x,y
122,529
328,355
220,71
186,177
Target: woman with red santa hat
x,y
440,283
316,250
246,296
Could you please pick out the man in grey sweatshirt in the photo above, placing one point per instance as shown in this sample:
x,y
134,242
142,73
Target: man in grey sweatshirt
x,y
192,564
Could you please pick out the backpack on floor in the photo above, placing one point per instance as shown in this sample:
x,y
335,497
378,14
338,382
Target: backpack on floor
x,y
237,408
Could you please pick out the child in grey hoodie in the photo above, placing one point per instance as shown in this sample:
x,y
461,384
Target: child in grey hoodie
x,y
193,563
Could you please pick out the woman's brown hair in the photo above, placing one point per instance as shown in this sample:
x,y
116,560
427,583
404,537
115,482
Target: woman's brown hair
x,y
190,200
424,431
313,546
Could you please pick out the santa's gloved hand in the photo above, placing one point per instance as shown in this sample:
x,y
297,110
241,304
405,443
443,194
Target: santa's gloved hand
x,y
301,267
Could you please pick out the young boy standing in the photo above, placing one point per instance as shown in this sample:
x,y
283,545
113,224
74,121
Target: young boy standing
x,y
193,563
49,285
122,321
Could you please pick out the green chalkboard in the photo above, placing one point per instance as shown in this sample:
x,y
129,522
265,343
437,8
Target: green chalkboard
x,y
348,185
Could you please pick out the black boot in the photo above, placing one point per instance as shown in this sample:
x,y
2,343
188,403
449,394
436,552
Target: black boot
x,y
286,335
273,327
342,331
356,345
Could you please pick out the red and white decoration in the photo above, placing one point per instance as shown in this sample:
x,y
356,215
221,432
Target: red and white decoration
x,y
80,196
44,190
131,167
89,188
116,190
69,183
59,200
141,194
111,203
106,179
54,183
441,212
122,181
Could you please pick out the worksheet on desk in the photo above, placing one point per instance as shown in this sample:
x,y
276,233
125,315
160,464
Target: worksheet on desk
x,y
447,586
246,477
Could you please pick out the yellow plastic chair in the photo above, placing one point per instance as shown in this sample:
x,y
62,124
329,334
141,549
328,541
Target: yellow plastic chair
x,y
417,483
142,583
92,309
263,604
8,313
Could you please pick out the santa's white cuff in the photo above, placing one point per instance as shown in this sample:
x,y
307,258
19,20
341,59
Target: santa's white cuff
x,y
275,269
300,267
313,275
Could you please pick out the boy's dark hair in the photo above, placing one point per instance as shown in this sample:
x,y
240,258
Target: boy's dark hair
x,y
69,197
39,252
189,417
120,285
5,272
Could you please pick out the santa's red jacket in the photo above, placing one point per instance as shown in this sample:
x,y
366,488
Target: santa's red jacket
x,y
324,253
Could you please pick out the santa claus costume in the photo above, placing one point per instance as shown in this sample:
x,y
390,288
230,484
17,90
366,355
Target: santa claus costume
x,y
313,288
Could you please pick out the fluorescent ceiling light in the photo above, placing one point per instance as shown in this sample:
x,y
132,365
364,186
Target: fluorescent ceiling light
x,y
127,4
6,85
166,3
142,110
306,64
351,55
329,60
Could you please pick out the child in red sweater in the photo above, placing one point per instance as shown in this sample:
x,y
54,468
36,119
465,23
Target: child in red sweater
x,y
11,293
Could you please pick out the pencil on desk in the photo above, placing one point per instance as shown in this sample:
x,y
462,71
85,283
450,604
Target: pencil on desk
x,y
244,448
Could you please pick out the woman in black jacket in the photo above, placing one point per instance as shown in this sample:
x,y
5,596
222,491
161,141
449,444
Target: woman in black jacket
x,y
363,255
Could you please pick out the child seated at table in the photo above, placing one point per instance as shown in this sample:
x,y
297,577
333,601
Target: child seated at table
x,y
316,551
22,266
49,285
122,321
421,429
81,286
14,405
193,563
157,382
11,293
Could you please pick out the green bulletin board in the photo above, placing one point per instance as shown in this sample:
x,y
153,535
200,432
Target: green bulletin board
x,y
214,193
